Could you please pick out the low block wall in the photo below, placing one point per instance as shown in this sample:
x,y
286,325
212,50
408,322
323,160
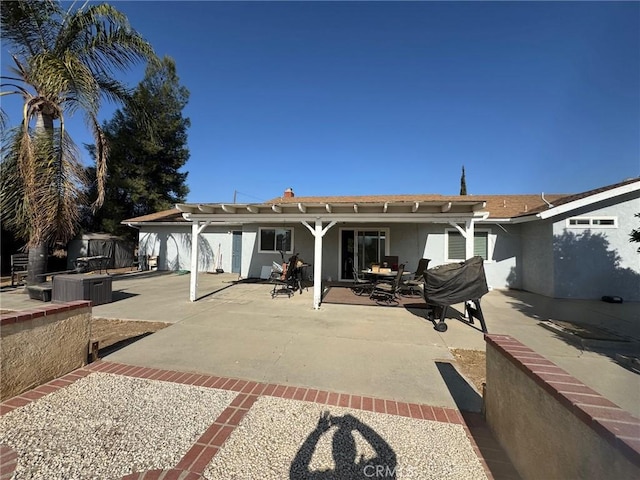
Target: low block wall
x,y
550,424
39,345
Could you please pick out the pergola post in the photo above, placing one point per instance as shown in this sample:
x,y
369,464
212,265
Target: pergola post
x,y
196,229
318,232
317,266
468,235
469,238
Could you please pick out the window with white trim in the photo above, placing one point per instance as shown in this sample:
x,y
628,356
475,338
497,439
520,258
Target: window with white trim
x,y
276,239
592,222
456,245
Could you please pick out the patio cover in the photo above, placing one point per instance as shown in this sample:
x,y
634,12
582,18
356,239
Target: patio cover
x,y
319,214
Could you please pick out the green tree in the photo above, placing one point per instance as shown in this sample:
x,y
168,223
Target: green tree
x,y
463,183
635,234
63,63
145,160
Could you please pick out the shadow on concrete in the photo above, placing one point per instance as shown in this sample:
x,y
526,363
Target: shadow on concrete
x,y
134,275
465,396
103,352
347,465
452,313
589,325
118,295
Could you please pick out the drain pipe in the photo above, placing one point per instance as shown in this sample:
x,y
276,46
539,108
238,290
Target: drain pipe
x,y
549,205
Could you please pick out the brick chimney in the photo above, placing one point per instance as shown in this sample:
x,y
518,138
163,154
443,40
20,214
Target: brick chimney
x,y
288,193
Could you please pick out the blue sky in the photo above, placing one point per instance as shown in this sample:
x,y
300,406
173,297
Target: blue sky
x,y
340,98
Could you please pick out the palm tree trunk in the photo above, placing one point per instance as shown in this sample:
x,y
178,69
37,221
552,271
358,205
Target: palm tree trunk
x,y
38,249
37,264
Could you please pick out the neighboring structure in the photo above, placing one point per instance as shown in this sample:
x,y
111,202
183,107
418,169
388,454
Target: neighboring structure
x,y
563,246
119,251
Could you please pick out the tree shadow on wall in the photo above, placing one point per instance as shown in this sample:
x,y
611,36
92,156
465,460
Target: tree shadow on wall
x,y
153,242
585,267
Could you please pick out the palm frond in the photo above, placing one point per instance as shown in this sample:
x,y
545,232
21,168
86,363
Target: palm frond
x,y
64,61
26,25
101,155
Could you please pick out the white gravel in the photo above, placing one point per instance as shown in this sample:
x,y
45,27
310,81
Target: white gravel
x,y
105,426
269,443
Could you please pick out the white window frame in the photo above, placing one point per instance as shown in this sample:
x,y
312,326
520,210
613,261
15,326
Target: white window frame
x,y
591,223
490,242
260,229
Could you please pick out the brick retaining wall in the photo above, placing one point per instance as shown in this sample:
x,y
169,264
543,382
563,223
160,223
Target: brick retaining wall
x,y
41,344
550,424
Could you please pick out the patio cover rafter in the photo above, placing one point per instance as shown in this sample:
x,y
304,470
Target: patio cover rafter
x,y
319,217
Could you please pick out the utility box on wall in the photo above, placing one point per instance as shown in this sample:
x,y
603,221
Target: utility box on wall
x,y
96,288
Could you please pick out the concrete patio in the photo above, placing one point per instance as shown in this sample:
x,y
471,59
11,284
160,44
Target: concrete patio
x,y
271,367
237,330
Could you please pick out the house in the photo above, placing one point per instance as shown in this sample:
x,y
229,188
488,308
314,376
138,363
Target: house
x,y
561,246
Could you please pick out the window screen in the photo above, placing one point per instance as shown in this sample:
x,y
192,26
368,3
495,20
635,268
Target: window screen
x,y
457,249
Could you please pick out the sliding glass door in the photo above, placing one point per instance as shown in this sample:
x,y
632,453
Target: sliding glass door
x,y
360,248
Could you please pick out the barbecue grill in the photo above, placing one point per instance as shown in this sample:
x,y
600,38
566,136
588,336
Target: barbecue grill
x,y
453,283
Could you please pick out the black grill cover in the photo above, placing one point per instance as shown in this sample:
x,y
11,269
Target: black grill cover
x,y
455,282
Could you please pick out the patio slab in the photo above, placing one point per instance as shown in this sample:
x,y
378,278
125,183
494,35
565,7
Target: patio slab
x,y
238,330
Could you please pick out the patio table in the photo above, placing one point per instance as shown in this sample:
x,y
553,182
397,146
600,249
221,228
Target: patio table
x,y
88,264
390,274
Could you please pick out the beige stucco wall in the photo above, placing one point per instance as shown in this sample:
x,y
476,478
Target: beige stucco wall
x,y
33,352
541,437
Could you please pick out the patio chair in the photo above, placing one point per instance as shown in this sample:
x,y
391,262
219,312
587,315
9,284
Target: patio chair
x,y
286,278
412,287
361,286
19,264
385,293
278,278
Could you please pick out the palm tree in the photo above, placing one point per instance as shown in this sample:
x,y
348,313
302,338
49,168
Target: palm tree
x,y
63,63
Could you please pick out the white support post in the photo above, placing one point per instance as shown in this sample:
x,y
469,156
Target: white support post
x,y
193,276
196,229
317,266
318,232
469,238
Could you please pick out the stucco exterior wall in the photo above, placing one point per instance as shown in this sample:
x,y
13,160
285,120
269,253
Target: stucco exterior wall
x,y
537,257
549,423
253,260
41,345
596,261
172,245
503,268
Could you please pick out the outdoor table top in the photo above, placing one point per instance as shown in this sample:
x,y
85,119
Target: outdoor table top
x,y
392,273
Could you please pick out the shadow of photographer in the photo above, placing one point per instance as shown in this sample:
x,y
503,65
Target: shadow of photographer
x,y
347,465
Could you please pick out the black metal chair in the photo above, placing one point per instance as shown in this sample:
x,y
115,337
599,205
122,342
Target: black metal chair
x,y
288,278
385,293
412,287
361,286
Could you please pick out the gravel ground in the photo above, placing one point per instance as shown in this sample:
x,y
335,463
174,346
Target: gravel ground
x,y
106,426
281,438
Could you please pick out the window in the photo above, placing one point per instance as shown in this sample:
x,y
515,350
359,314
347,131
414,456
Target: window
x,y
276,239
592,222
457,248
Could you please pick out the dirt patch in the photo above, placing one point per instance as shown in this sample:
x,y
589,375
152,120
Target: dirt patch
x,y
473,365
109,331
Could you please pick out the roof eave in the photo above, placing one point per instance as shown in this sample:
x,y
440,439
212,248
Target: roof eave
x,y
582,202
